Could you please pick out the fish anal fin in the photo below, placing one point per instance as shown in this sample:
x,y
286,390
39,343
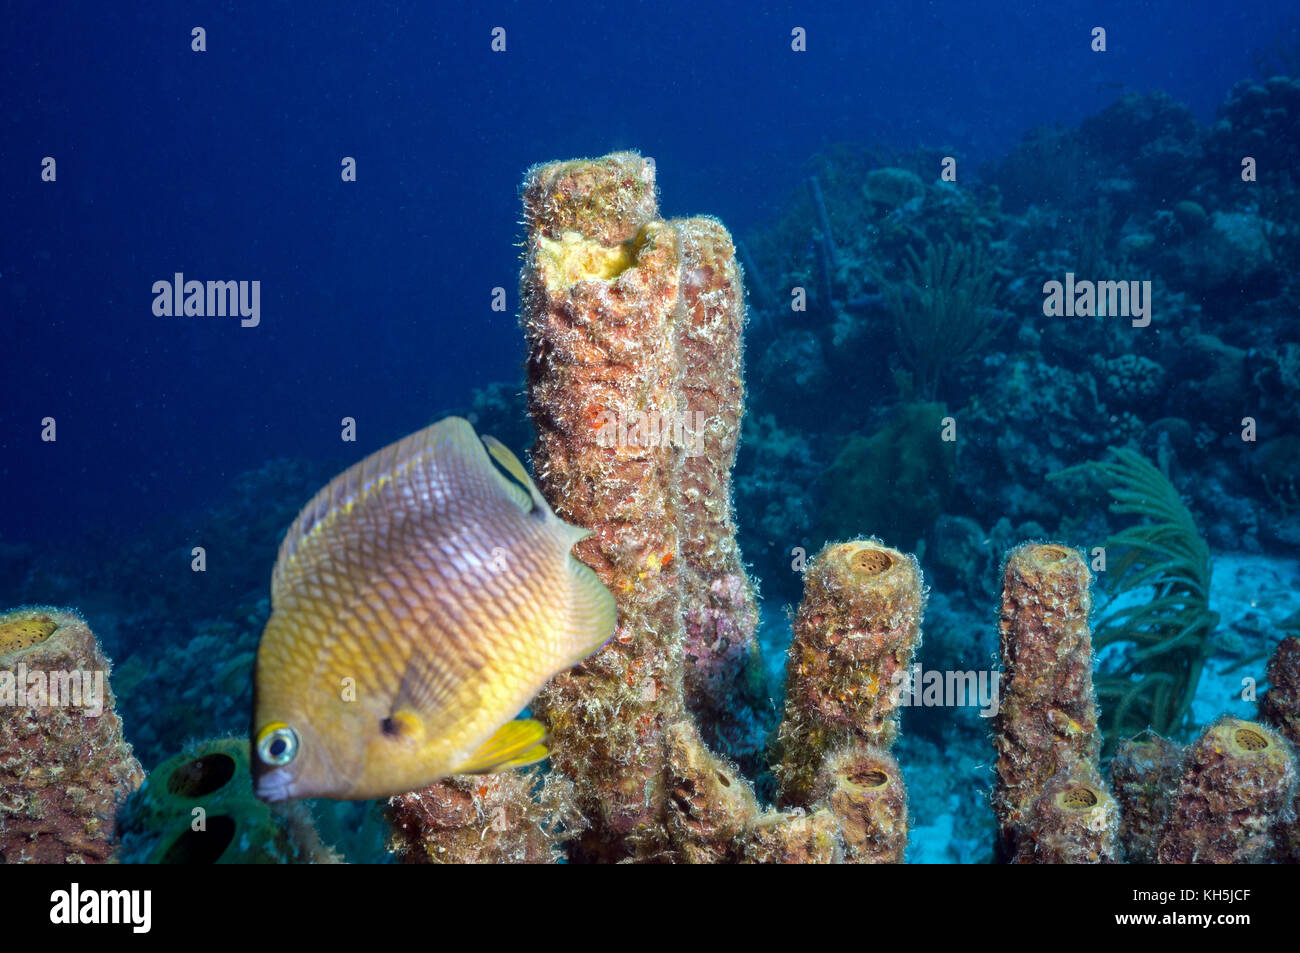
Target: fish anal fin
x,y
515,744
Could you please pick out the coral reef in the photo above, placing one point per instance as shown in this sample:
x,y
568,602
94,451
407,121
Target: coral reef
x,y
64,764
198,807
943,311
1047,722
1144,775
897,481
175,692
1238,776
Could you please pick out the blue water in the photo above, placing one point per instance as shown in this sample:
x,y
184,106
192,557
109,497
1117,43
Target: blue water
x,y
376,295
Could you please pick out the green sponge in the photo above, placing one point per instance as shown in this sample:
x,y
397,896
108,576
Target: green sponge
x,y
198,807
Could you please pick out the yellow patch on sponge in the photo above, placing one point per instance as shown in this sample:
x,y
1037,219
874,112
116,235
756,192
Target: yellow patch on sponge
x,y
23,633
572,258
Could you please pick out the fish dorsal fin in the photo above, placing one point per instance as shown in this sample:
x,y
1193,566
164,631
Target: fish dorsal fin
x,y
515,744
531,500
361,483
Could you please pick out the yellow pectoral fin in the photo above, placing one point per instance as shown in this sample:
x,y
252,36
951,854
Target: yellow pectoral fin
x,y
516,744
407,725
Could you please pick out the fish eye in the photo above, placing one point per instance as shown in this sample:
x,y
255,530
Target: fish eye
x,y
277,744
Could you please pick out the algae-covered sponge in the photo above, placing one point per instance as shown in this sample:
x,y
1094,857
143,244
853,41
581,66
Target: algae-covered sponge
x,y
863,788
64,765
1074,820
1144,775
1047,722
1280,708
634,326
1238,778
419,602
858,626
481,819
198,807
600,288
720,614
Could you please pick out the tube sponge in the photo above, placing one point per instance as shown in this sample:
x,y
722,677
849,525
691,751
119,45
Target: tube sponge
x,y
64,769
863,787
1074,820
480,819
1280,707
1047,722
794,838
600,286
720,614
1144,775
857,628
1238,777
711,810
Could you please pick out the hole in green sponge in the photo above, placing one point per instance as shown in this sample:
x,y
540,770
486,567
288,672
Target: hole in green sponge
x,y
202,847
201,776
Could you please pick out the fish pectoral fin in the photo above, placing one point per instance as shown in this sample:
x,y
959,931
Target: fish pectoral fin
x,y
405,724
428,685
516,744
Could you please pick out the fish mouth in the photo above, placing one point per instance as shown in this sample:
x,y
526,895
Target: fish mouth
x,y
274,787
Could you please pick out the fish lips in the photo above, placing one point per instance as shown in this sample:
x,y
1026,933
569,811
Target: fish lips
x,y
274,786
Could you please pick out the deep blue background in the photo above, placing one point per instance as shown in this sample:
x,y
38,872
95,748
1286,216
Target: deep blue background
x,y
375,295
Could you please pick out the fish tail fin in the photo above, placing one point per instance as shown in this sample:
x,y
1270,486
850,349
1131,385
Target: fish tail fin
x,y
516,744
593,612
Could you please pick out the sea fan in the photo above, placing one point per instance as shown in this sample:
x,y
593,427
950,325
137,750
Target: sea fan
x,y
1168,636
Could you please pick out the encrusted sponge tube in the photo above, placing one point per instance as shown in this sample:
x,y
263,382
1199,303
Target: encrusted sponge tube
x,y
600,287
858,626
1238,777
863,788
1073,821
1047,722
476,819
64,769
717,596
1280,708
1144,775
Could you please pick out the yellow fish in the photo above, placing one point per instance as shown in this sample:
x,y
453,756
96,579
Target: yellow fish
x,y
418,603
